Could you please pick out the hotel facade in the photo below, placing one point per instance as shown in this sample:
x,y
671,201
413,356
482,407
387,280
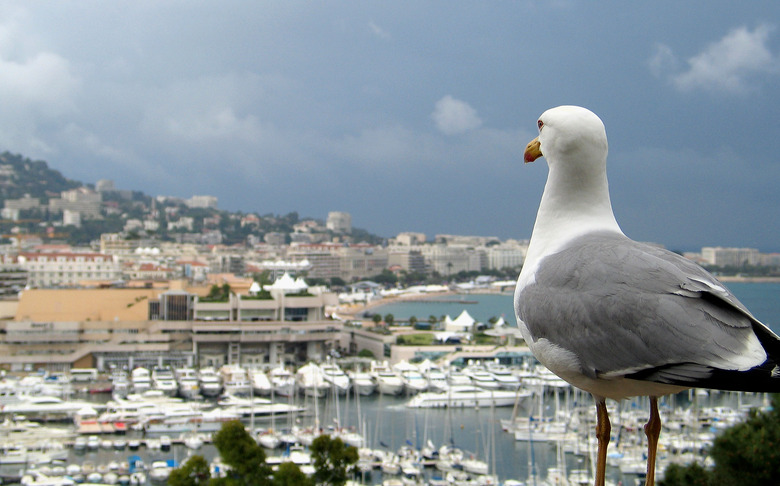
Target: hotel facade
x,y
59,329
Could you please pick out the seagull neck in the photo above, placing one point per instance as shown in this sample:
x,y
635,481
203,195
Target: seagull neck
x,y
573,204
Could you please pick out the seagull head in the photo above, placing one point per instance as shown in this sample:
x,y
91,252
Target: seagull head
x,y
570,133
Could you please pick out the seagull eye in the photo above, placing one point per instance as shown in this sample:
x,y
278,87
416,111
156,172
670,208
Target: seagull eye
x,y
540,123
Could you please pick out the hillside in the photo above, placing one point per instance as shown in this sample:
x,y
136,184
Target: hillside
x,y
134,214
20,175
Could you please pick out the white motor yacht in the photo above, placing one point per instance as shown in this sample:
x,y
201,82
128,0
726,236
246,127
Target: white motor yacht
x,y
437,380
282,381
261,385
414,381
120,383
163,380
311,380
362,382
480,377
456,377
141,380
209,383
187,382
504,377
335,377
388,381
235,380
465,396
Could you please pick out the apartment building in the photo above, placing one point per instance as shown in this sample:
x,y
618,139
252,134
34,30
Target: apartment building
x,y
724,257
68,269
450,259
339,222
82,200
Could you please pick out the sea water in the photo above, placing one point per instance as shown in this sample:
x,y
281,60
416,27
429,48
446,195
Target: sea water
x,y
762,299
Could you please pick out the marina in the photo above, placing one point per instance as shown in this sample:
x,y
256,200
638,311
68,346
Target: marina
x,y
501,421
535,433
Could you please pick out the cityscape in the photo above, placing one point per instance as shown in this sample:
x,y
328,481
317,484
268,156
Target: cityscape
x,y
151,277
140,302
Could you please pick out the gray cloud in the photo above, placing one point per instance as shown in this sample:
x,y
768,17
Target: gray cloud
x,y
291,106
729,65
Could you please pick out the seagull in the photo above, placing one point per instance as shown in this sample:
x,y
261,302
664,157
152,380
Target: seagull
x,y
615,317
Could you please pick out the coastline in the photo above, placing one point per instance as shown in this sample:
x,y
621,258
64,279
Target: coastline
x,y
738,278
352,311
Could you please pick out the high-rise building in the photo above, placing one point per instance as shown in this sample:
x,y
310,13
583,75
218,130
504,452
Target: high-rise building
x,y
339,222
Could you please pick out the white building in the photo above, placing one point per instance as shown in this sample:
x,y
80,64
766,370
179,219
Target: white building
x,y
201,202
339,222
723,257
185,223
449,260
71,218
68,269
23,203
104,185
83,200
410,239
506,255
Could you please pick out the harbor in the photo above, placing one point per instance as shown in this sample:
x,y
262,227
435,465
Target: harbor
x,y
544,434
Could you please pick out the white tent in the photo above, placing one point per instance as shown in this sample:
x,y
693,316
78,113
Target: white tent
x,y
501,329
463,323
285,283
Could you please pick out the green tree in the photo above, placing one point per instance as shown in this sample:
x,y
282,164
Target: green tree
x,y
389,319
332,460
289,474
244,456
219,293
413,321
746,454
376,318
194,472
385,278
690,475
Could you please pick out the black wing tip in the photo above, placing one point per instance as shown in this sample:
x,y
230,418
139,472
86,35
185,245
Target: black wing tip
x,y
761,379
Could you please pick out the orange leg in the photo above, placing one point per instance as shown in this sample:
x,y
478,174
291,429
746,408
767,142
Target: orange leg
x,y
603,429
652,430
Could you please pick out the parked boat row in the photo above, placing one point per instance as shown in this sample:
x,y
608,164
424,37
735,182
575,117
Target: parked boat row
x,y
316,379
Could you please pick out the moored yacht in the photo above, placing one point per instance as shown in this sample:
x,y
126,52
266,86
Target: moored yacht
x,y
141,380
120,383
504,377
480,377
282,381
209,383
464,396
310,379
388,381
414,381
261,385
336,377
187,382
235,380
362,382
163,380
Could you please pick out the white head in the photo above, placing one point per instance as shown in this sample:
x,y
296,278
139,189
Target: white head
x,y
569,133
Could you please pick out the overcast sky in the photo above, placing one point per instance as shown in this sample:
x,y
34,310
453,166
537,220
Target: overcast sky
x,y
411,116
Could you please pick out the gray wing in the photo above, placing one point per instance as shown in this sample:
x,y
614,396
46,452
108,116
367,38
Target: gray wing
x,y
630,309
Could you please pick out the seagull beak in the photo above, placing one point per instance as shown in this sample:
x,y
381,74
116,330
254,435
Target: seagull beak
x,y
532,151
